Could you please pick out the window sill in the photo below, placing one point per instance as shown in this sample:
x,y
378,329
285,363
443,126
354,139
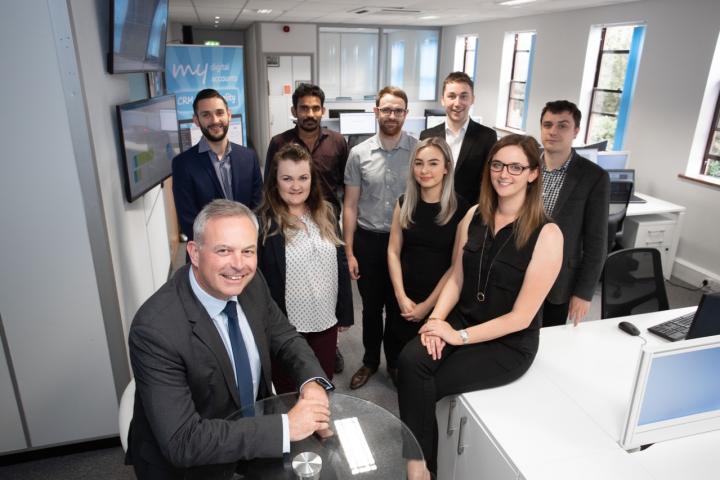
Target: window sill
x,y
702,180
509,130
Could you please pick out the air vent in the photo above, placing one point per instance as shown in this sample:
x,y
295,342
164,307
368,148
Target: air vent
x,y
384,11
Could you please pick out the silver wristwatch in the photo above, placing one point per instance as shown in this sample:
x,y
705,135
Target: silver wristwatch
x,y
464,336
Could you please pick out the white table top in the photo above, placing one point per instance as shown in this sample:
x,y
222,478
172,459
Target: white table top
x,y
563,419
652,206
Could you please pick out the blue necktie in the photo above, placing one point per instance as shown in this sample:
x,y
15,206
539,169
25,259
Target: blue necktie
x,y
226,179
240,357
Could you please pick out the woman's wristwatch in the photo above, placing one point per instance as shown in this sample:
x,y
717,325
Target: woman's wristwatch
x,y
463,336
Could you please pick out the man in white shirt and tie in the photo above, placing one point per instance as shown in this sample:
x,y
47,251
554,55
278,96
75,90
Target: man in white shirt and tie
x,y
469,141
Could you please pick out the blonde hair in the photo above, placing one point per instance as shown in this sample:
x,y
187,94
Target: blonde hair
x,y
532,213
274,209
448,201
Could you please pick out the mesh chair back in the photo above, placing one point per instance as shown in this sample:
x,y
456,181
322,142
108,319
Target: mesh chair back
x,y
633,283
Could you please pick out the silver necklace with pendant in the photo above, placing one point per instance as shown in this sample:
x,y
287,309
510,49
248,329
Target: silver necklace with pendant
x,y
481,293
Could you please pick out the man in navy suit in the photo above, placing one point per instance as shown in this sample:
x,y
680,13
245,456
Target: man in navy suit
x,y
215,167
469,141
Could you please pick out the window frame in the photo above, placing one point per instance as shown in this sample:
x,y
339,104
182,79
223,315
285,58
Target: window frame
x,y
596,89
714,128
525,83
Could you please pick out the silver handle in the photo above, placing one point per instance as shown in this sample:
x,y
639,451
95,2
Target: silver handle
x,y
460,445
450,427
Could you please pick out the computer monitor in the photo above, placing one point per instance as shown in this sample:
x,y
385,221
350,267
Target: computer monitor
x,y
589,153
357,123
613,160
331,124
414,125
433,120
335,112
434,112
600,146
676,392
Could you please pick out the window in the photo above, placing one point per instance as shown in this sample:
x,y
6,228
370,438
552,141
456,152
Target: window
x,y
352,61
704,160
412,61
466,54
348,62
613,83
711,160
520,76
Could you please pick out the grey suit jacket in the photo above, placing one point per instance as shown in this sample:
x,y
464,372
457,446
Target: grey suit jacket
x,y
185,384
474,151
581,212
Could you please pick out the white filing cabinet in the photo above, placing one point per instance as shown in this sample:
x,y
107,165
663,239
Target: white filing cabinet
x,y
466,450
651,231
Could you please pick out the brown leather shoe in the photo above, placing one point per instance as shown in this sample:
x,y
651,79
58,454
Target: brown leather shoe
x,y
361,376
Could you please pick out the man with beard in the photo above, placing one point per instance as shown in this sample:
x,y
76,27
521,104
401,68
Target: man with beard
x,y
215,167
375,177
327,148
469,141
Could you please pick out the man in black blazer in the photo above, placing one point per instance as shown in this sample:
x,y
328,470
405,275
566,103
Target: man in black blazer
x,y
469,141
576,194
215,167
203,342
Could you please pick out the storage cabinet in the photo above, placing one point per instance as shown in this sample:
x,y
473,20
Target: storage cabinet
x,y
466,448
652,231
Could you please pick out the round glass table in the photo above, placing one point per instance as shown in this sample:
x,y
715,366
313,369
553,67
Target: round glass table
x,y
368,442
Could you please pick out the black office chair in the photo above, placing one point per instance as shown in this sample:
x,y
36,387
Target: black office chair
x,y
633,283
620,194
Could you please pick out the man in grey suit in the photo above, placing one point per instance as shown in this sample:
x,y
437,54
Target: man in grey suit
x,y
469,141
576,194
200,349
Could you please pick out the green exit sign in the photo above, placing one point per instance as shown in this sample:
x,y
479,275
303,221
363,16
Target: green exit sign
x,y
212,43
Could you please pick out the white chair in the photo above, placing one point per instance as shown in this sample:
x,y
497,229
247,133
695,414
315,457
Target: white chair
x,y
125,414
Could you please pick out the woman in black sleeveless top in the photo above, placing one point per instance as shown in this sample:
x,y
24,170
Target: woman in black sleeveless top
x,y
483,331
421,243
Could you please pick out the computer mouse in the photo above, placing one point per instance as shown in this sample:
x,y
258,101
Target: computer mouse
x,y
629,328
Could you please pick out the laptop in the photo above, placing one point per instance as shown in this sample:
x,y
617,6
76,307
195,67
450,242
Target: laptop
x,y
620,175
703,322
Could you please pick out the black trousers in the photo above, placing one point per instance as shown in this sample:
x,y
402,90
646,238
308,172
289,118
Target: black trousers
x,y
398,332
370,249
555,314
423,381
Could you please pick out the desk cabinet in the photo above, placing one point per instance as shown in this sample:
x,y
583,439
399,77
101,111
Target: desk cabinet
x,y
466,448
651,231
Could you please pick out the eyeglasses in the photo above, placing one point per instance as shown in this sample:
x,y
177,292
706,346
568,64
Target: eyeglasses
x,y
512,168
399,112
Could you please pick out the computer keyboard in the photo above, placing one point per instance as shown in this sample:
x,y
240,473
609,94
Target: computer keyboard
x,y
675,329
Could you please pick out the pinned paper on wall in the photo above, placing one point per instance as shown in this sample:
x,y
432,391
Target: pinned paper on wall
x,y
287,89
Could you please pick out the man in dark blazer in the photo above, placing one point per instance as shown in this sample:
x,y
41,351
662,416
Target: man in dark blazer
x,y
201,349
469,141
215,167
576,195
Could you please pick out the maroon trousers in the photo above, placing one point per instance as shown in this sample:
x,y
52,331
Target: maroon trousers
x,y
323,344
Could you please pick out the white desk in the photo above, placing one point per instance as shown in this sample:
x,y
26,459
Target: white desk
x,y
564,418
656,206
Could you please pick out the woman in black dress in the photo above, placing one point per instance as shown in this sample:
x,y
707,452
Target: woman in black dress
x,y
484,329
422,236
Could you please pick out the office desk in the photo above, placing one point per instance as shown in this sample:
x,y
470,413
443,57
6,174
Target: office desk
x,y
656,206
564,418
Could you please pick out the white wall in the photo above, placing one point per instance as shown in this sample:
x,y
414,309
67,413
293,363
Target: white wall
x,y
678,50
140,250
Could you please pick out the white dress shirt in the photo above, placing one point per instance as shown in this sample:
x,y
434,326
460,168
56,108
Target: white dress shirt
x,y
455,140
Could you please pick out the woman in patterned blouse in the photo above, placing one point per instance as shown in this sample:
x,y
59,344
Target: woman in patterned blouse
x,y
301,256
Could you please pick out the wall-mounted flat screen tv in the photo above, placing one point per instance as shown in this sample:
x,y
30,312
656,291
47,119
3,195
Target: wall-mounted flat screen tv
x,y
137,35
149,141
